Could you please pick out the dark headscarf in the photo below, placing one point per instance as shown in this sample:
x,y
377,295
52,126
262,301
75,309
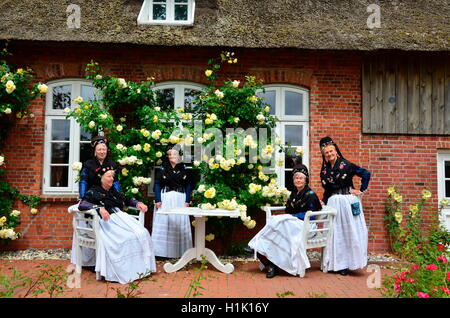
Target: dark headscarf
x,y
98,140
327,141
302,169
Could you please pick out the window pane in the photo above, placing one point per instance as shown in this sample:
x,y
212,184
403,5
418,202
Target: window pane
x,y
447,169
294,135
61,96
60,129
60,153
189,96
269,98
293,103
59,177
181,1
86,151
181,12
447,188
289,159
288,183
85,135
166,98
159,12
88,93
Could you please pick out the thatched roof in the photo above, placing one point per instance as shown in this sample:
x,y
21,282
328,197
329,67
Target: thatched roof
x,y
309,24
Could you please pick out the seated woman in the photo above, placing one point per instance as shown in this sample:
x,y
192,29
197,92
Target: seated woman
x,y
126,248
278,244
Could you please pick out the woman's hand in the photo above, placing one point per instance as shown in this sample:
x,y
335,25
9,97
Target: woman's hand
x,y
104,214
356,192
141,206
186,204
158,205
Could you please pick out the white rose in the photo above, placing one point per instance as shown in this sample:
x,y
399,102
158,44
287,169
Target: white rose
x,y
157,108
219,94
98,77
201,188
78,100
159,154
137,147
119,127
77,166
122,83
7,111
103,116
2,160
134,190
91,124
15,213
196,163
235,84
260,117
66,110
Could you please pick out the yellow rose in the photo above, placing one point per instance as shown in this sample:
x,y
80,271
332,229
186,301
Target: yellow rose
x,y
209,237
78,100
208,72
42,88
34,211
10,86
398,217
426,194
125,172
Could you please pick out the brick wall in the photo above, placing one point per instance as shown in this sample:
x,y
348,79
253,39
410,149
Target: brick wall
x,y
334,80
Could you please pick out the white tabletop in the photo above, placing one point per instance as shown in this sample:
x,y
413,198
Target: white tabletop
x,y
197,212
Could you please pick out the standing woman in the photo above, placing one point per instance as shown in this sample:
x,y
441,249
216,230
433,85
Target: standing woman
x,y
347,249
279,244
90,167
171,234
88,178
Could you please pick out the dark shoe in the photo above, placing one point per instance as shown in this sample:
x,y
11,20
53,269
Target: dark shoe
x,y
249,250
272,272
343,272
89,268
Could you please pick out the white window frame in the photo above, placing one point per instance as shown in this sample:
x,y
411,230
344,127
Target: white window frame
x,y
146,13
442,157
286,120
74,139
178,96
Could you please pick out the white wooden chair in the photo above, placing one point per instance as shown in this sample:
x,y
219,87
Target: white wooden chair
x,y
86,231
317,237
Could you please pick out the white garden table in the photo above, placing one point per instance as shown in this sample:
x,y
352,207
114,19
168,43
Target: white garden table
x,y
199,246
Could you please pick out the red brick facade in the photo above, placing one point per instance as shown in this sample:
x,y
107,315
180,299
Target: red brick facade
x,y
334,81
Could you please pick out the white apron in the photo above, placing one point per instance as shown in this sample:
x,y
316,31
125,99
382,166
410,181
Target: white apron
x,y
125,249
281,242
171,234
348,245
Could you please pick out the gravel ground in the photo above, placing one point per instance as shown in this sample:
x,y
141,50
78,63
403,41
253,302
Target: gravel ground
x,y
65,254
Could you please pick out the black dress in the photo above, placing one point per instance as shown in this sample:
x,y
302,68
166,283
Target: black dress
x,y
88,175
301,202
339,178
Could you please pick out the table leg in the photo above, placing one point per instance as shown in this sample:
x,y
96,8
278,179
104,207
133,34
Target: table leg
x,y
186,258
197,251
212,258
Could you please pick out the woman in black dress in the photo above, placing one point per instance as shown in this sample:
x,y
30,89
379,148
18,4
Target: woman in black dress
x,y
171,234
348,246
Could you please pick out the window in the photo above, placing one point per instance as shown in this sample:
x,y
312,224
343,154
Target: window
x,y
173,12
444,184
65,141
176,95
290,104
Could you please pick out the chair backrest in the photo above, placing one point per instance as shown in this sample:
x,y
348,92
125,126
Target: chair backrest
x,y
85,226
318,236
